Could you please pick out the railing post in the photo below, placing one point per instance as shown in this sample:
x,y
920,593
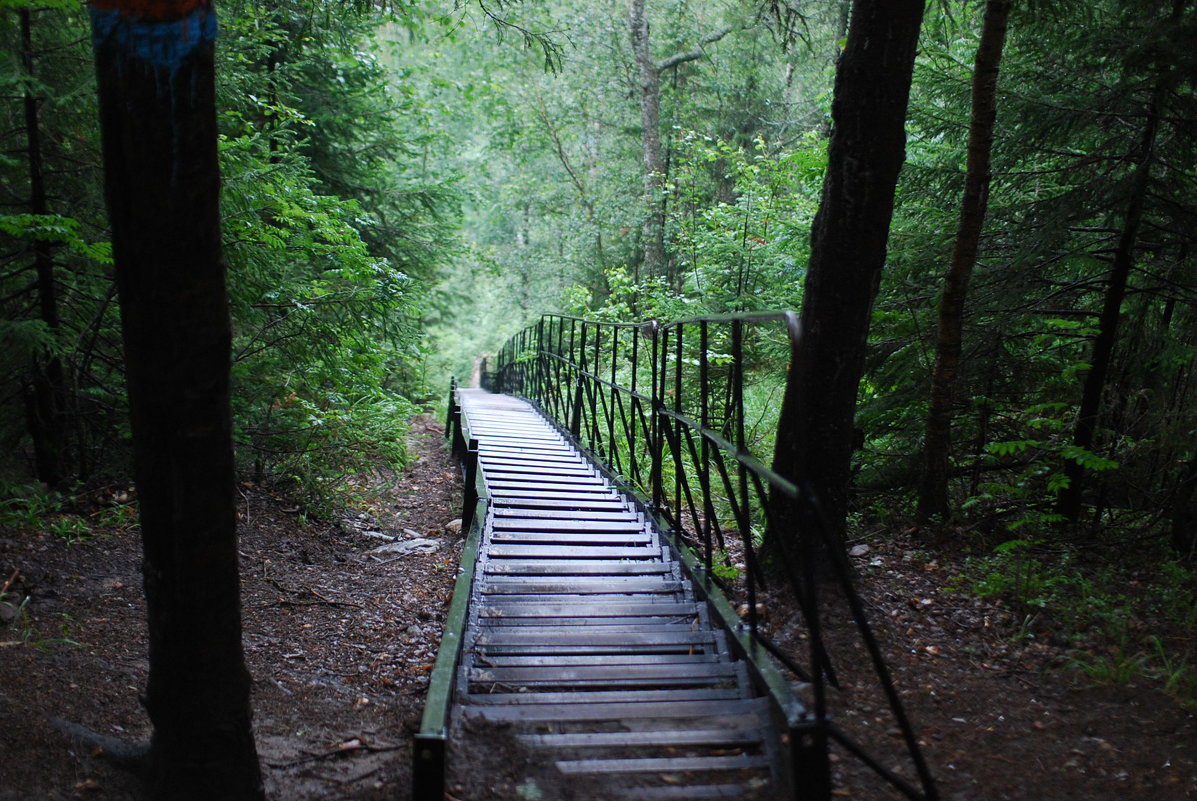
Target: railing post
x,y
453,413
470,485
575,418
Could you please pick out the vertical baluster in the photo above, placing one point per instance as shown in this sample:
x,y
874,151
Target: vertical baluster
x,y
745,523
612,445
704,420
637,410
659,337
676,428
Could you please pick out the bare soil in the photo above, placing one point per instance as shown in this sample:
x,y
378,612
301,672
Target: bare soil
x,y
340,641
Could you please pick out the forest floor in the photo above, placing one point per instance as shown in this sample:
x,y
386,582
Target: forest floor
x,y
340,638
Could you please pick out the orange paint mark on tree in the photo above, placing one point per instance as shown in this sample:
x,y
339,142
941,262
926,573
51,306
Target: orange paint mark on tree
x,y
164,10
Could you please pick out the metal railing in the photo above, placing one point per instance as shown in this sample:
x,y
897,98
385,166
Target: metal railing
x,y
679,413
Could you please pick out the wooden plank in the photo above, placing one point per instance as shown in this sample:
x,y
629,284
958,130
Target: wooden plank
x,y
579,585
690,792
553,538
603,697
663,764
669,674
495,467
584,598
578,609
544,480
560,567
536,460
565,552
553,635
573,492
566,524
521,490
512,511
514,501
550,660
565,623
735,713
663,738
563,450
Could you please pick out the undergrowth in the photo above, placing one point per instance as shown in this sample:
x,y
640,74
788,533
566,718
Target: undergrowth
x,y
1119,622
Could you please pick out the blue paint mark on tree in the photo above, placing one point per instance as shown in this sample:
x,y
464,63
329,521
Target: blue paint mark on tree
x,y
162,44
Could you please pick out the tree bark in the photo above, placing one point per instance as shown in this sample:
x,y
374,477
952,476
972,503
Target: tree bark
x,y
848,245
158,122
650,140
933,494
1184,513
1089,414
48,387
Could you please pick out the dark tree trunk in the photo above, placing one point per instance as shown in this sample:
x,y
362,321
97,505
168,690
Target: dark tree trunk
x,y
650,140
1089,414
1184,512
848,242
933,495
48,387
155,69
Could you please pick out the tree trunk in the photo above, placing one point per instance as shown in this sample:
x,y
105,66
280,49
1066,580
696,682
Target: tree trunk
x,y
1184,512
1089,414
933,495
650,139
157,114
848,243
48,392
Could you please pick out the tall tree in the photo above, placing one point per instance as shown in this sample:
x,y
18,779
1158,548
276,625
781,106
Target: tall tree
x,y
649,70
46,398
1139,187
933,494
154,63
848,245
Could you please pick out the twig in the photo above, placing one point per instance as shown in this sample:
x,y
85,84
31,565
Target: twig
x,y
335,603
11,579
336,752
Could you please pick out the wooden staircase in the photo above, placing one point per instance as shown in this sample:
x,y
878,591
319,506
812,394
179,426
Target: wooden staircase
x,y
589,669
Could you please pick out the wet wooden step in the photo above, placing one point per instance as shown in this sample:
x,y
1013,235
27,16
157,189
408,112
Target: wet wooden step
x,y
604,697
517,511
591,525
561,567
656,738
579,585
606,609
667,639
488,659
571,552
734,713
530,489
689,792
597,538
520,501
670,765
669,674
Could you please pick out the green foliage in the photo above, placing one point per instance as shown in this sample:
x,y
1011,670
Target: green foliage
x,y
330,242
749,250
1015,573
29,507
1104,617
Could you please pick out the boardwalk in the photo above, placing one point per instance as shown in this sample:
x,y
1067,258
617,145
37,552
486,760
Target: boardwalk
x,y
588,668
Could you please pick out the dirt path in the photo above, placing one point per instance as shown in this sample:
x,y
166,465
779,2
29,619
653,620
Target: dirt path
x,y
339,639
